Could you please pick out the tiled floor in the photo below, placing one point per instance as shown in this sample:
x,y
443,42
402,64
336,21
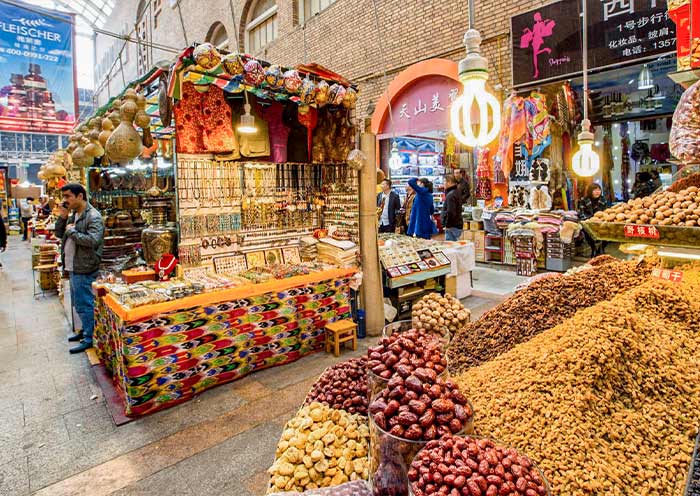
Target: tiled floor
x,y
57,437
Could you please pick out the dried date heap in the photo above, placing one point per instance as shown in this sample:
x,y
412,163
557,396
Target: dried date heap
x,y
342,386
421,407
405,352
540,306
479,466
608,402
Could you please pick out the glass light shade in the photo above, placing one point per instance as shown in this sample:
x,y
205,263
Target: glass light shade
x,y
475,95
585,161
645,81
247,125
395,160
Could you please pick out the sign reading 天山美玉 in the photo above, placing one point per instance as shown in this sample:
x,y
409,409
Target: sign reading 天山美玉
x,y
547,40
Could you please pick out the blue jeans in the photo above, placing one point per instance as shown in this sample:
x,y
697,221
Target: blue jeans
x,y
453,234
84,301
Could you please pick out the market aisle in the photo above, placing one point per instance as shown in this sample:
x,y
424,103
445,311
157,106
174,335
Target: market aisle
x,y
58,440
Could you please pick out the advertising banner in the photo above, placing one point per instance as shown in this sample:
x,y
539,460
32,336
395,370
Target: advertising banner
x,y
547,40
37,81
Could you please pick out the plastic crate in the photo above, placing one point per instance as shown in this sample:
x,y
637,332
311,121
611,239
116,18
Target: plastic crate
x,y
692,486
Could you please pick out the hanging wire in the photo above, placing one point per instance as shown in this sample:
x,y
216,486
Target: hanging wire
x,y
383,62
235,25
182,23
470,6
585,60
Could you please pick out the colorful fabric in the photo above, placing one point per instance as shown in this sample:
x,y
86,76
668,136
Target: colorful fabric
x,y
168,358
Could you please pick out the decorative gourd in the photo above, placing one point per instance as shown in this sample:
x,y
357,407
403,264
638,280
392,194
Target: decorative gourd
x,y
308,91
94,148
80,158
322,91
143,120
114,113
107,128
124,144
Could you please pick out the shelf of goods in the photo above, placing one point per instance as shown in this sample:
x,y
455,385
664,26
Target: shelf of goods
x,y
267,225
420,158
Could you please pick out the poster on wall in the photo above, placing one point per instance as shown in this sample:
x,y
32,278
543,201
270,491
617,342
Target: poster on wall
x,y
37,83
547,40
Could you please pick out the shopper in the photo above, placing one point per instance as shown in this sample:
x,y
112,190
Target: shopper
x,y
388,206
451,216
405,212
593,202
421,223
655,180
82,235
462,184
3,236
643,185
26,211
44,208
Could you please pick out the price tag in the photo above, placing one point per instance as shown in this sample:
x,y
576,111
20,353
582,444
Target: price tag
x,y
668,275
637,231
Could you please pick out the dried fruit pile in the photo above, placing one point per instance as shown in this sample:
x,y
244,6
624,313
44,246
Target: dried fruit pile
x,y
608,402
478,465
320,447
342,386
540,306
667,208
436,314
405,352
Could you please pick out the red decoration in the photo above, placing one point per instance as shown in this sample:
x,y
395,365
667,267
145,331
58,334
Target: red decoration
x,y
165,266
668,275
637,231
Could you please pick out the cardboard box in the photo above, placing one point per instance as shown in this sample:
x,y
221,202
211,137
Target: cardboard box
x,y
480,245
458,286
475,225
468,235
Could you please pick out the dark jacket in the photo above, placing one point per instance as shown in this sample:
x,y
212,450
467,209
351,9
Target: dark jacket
x,y
394,207
587,207
88,237
421,223
452,209
3,233
463,188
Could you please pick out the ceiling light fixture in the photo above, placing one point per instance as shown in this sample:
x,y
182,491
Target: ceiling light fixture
x,y
247,125
395,159
645,80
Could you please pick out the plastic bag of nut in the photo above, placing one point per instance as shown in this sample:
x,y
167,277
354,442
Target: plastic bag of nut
x,y
441,315
482,466
354,488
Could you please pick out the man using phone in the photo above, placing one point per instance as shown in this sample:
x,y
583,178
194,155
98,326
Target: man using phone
x,y
82,234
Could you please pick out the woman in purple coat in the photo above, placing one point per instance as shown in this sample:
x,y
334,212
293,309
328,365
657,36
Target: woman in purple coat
x,y
421,223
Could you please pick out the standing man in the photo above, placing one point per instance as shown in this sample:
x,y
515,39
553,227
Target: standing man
x,y
82,236
388,205
26,211
3,236
452,210
462,184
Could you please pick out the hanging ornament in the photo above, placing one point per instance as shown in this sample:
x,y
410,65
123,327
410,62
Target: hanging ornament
x,y
350,98
233,64
356,159
80,158
94,149
207,56
336,94
125,143
143,120
107,128
254,72
114,112
274,77
322,91
308,91
292,81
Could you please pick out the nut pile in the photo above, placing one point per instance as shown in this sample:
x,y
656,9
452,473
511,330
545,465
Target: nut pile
x,y
667,208
421,406
405,352
320,447
436,314
479,465
685,182
342,386
355,488
540,306
608,402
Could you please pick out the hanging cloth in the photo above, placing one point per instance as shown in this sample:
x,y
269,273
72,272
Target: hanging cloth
x,y
279,132
297,148
216,121
308,117
188,121
513,129
483,175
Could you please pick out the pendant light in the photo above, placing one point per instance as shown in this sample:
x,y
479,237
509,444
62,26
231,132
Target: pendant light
x,y
395,159
645,81
247,125
585,162
473,73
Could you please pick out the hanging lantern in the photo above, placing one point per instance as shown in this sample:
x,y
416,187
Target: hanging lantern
x,y
585,161
395,159
254,72
274,77
292,81
233,64
207,56
356,159
473,73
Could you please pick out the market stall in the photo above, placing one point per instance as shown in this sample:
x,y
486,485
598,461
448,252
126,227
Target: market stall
x,y
264,248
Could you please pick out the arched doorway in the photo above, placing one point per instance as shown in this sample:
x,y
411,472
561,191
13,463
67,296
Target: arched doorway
x,y
218,36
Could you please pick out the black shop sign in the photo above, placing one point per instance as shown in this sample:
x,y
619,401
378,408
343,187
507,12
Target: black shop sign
x,y
547,41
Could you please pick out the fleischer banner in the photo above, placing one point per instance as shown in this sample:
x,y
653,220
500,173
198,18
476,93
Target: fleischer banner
x,y
547,40
37,81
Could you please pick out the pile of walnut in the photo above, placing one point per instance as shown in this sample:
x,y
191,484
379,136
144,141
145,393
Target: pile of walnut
x,y
540,306
664,209
608,402
437,314
320,447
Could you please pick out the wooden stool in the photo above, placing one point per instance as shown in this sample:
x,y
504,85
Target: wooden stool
x,y
340,332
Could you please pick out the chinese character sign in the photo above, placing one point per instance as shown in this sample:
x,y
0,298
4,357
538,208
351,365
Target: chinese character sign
x,y
640,231
668,275
37,83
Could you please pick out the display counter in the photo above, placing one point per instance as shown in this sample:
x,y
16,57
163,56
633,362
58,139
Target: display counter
x,y
163,354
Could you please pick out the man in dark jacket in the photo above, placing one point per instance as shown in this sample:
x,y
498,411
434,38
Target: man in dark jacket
x,y
3,236
82,237
452,210
462,184
388,205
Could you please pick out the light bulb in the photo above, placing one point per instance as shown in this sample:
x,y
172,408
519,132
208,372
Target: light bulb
x,y
473,73
247,125
585,161
395,159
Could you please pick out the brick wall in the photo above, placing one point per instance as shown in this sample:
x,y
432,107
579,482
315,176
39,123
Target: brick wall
x,y
344,36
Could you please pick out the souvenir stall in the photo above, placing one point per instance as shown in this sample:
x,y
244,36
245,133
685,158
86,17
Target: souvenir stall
x,y
262,187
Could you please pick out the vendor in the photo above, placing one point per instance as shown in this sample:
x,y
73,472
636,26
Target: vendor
x,y
587,207
452,210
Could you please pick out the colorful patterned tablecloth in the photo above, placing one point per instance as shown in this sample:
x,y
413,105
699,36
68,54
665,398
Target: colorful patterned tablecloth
x,y
164,359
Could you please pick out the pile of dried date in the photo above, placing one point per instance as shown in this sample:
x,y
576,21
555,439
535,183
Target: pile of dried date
x,y
342,386
405,352
421,406
540,306
459,465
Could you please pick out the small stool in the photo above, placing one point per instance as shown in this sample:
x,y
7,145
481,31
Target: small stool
x,y
340,332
